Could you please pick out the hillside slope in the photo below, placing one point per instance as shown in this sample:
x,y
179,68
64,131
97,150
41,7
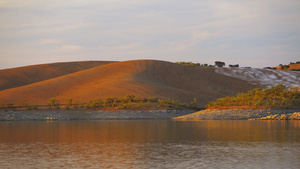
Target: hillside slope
x,y
263,77
15,77
143,78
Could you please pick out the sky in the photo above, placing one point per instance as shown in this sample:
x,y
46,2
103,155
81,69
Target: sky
x,y
254,33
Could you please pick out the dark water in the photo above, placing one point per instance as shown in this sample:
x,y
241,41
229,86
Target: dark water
x,y
150,144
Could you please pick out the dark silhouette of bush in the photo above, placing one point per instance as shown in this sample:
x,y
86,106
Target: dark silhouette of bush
x,y
236,65
219,63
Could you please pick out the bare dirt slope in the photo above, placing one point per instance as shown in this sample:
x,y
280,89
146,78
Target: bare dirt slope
x,y
15,77
143,78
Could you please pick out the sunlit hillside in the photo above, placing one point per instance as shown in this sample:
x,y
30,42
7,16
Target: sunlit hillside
x,y
21,76
142,78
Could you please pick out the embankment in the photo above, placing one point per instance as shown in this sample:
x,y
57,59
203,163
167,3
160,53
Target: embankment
x,y
42,115
242,114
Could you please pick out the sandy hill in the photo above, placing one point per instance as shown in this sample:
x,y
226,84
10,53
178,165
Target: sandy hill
x,y
143,78
15,77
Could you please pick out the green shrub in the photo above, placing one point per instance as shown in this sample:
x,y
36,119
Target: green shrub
x,y
57,104
109,101
144,100
193,104
153,99
35,106
161,103
124,100
148,104
90,104
76,104
69,102
130,97
52,102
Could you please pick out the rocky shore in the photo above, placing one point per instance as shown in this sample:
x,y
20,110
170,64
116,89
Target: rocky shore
x,y
242,114
42,115
215,114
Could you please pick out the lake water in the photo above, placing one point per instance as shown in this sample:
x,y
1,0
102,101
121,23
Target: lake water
x,y
150,144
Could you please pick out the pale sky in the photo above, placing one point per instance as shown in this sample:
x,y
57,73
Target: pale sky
x,y
255,33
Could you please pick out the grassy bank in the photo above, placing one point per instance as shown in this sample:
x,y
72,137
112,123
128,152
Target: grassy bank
x,y
111,103
277,97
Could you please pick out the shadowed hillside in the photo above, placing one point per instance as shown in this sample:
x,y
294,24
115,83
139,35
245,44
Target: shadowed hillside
x,y
143,78
15,77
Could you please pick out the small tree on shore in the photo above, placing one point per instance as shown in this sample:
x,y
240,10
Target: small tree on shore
x,y
52,102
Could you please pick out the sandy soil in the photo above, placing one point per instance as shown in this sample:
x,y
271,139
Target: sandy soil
x,y
142,78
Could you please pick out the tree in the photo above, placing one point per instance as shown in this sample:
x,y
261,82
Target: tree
x,y
237,65
219,63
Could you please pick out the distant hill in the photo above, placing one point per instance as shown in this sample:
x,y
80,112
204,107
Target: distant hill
x,y
293,67
21,76
143,78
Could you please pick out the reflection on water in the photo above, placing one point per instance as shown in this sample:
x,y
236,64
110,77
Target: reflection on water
x,y
150,144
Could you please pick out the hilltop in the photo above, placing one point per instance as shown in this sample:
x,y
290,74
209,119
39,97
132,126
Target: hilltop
x,y
21,76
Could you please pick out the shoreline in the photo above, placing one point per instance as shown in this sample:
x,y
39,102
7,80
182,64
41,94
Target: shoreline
x,y
242,114
67,115
209,114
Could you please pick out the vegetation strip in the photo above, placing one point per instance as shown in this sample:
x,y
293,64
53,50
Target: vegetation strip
x,y
277,97
110,103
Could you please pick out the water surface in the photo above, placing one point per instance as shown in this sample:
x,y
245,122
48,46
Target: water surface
x,y
150,144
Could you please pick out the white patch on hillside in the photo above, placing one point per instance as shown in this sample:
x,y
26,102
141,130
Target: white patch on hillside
x,y
264,77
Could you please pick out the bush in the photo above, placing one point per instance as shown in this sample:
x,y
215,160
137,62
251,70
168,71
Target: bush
x,y
76,104
153,99
161,103
69,102
144,100
108,101
34,106
57,104
148,104
90,104
52,102
193,103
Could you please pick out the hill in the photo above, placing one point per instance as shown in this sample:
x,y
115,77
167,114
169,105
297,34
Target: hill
x,y
263,77
21,76
142,78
